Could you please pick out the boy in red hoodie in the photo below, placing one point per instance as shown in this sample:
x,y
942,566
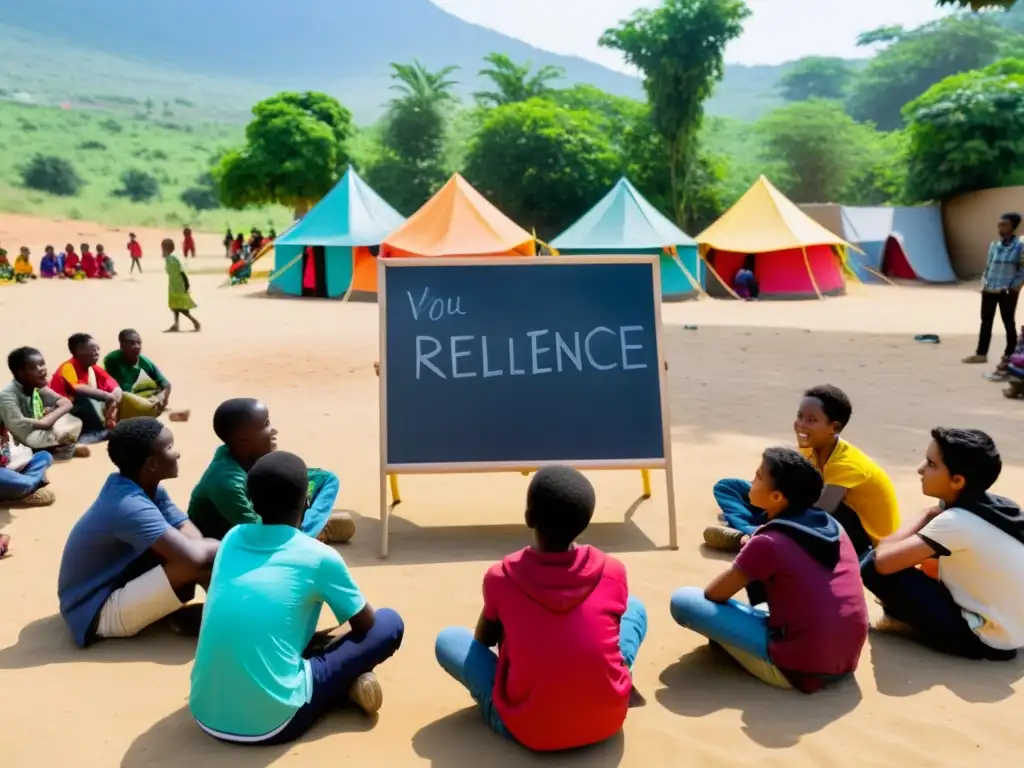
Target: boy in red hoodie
x,y
566,629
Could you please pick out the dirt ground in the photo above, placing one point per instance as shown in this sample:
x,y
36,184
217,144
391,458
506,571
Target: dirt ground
x,y
735,382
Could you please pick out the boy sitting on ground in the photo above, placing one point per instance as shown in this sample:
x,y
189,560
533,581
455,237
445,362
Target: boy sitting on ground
x,y
566,628
34,414
95,396
146,391
133,558
975,608
23,474
858,493
252,682
803,565
220,500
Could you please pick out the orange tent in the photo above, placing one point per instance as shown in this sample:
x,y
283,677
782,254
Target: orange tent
x,y
458,221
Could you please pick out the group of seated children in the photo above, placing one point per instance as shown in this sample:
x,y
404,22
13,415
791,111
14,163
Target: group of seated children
x,y
18,272
44,418
70,264
815,527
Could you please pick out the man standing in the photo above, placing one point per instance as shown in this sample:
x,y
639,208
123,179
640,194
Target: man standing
x,y
1000,289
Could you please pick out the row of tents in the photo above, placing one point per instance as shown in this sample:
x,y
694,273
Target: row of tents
x,y
795,253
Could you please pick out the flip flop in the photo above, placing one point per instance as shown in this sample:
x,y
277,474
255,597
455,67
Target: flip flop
x,y
928,338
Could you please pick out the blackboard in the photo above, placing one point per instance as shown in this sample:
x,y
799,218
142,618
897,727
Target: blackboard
x,y
521,363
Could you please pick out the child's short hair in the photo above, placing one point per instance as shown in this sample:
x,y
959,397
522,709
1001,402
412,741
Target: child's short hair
x,y
131,443
970,453
560,502
1013,219
18,358
232,414
834,403
799,481
278,485
77,340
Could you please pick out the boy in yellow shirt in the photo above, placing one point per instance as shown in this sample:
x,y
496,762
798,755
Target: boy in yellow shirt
x,y
858,493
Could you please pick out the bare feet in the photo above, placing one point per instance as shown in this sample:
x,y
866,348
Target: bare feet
x,y
340,529
82,452
43,497
173,329
366,693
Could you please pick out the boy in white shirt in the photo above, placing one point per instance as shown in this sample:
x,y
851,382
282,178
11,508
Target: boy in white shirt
x,y
975,608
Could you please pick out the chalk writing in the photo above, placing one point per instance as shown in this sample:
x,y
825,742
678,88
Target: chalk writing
x,y
433,307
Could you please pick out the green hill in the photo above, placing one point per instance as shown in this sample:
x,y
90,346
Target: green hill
x,y
214,60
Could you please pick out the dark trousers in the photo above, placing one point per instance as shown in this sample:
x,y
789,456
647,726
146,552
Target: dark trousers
x,y
336,668
924,603
1006,303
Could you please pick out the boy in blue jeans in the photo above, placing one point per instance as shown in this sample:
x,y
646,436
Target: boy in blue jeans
x,y
803,565
253,682
566,629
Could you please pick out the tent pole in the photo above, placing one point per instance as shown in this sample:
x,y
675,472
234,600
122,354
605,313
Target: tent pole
x,y
718,277
810,272
693,282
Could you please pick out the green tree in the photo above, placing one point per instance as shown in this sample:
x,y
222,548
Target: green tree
x,y
295,151
816,77
679,49
409,166
202,195
515,82
880,173
818,148
55,175
920,58
966,133
138,186
543,165
978,5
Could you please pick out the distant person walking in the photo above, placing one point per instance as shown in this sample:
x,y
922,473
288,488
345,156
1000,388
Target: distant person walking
x,y
1000,289
228,240
179,300
135,252
188,244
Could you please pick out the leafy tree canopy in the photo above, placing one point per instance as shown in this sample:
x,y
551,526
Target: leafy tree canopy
x,y
918,59
55,175
542,164
295,151
515,82
967,133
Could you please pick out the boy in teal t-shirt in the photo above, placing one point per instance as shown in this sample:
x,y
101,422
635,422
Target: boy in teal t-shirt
x,y
253,680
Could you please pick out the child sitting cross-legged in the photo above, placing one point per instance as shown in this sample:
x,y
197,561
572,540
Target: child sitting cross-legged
x,y
858,493
257,679
803,565
975,608
566,629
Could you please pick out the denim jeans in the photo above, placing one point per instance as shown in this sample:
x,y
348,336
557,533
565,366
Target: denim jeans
x,y
337,668
733,498
475,666
18,485
742,630
324,492
926,605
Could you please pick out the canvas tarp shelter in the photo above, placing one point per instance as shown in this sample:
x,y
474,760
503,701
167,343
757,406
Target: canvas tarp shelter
x,y
899,242
458,221
331,249
624,222
793,255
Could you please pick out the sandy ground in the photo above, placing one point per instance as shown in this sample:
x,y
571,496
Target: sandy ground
x,y
735,383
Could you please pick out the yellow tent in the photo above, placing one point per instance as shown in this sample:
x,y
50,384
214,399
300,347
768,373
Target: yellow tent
x,y
793,255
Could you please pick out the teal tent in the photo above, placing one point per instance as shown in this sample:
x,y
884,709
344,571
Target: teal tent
x,y
332,250
624,222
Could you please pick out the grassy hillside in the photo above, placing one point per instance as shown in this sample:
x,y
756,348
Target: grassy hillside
x,y
101,147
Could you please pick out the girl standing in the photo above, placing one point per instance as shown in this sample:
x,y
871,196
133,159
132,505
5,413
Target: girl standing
x,y
178,298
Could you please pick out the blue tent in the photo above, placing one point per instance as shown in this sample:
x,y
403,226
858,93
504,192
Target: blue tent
x,y
624,222
919,230
329,249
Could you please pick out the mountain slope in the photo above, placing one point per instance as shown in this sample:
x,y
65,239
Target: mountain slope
x,y
257,46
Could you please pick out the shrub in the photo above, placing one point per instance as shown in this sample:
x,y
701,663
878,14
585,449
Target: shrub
x,y
158,154
92,144
200,198
55,175
138,186
110,125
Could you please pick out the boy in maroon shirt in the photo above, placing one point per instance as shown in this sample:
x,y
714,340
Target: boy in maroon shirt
x,y
803,565
566,629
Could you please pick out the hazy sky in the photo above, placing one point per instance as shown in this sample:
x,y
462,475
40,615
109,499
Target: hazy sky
x,y
779,30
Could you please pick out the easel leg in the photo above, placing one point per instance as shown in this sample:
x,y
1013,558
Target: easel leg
x,y
383,514
645,478
673,534
396,497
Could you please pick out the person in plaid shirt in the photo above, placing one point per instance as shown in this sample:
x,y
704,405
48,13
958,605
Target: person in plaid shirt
x,y
1000,288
